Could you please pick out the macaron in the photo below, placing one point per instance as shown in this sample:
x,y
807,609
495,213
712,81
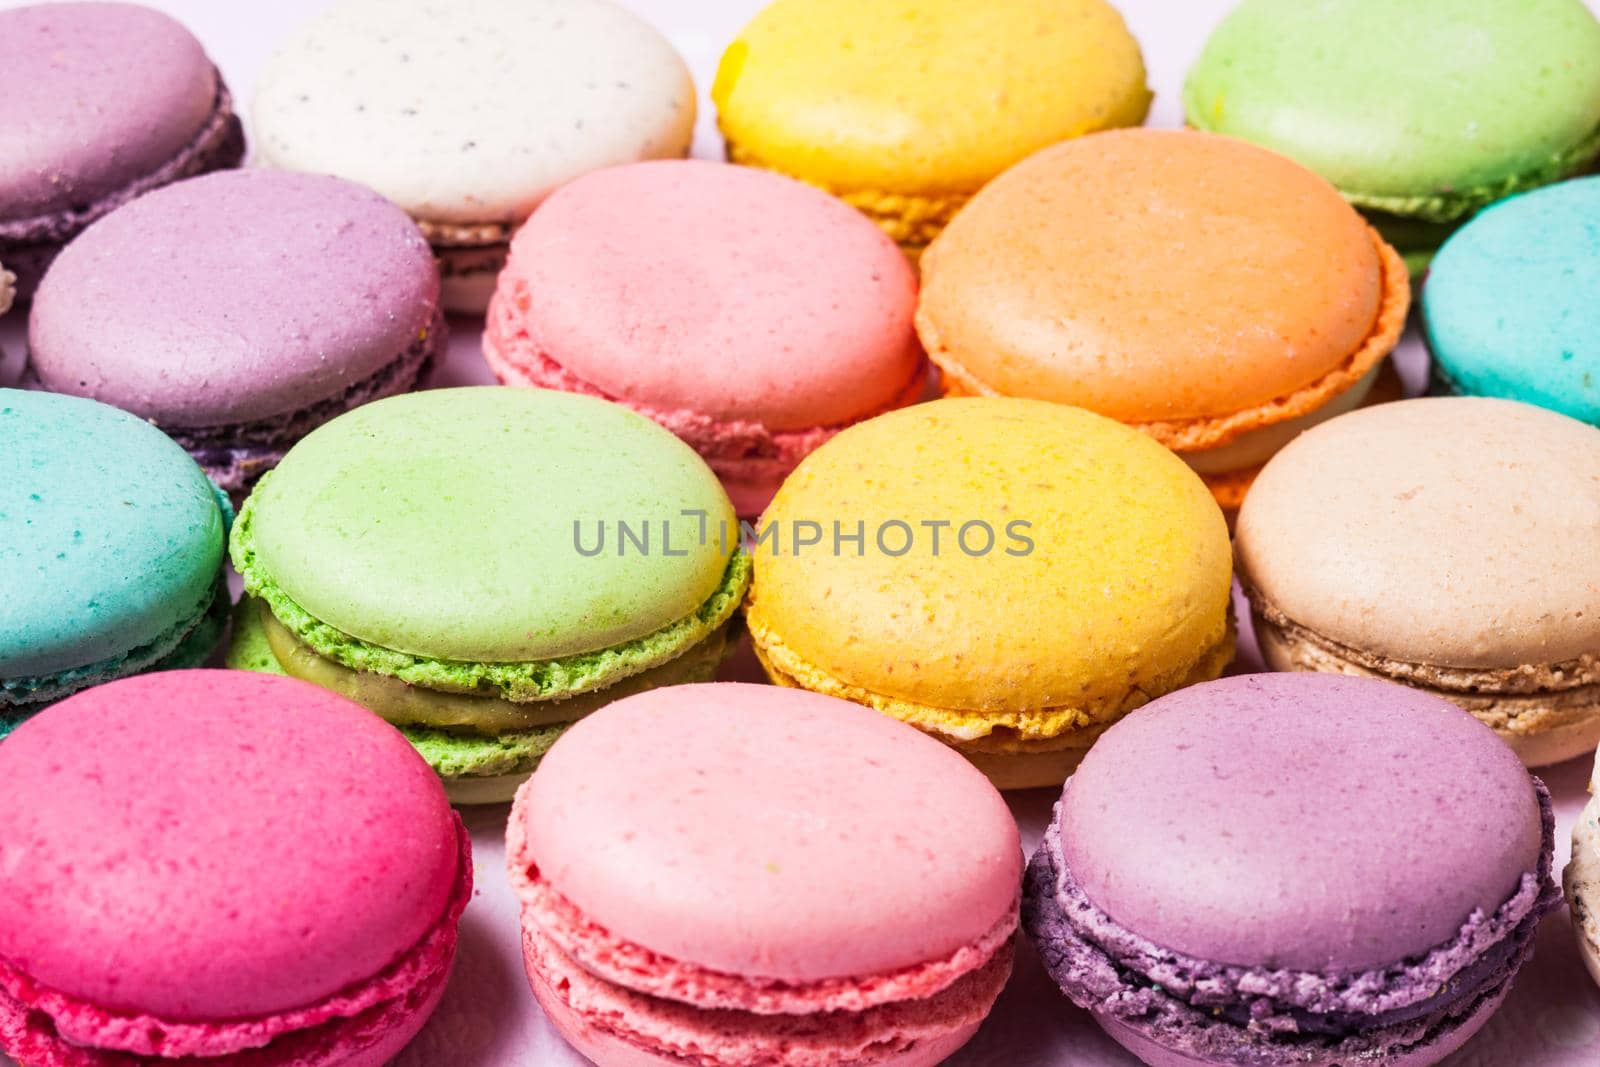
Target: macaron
x,y
739,874
1213,295
230,869
1293,869
1581,880
1009,576
240,310
1509,306
111,550
469,114
1420,113
104,102
750,314
905,108
484,566
1448,544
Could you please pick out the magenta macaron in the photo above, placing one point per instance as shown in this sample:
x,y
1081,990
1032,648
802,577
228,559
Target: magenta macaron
x,y
752,315
731,874
221,867
239,311
1293,869
103,102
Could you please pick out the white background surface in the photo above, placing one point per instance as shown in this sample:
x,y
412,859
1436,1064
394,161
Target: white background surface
x,y
489,1019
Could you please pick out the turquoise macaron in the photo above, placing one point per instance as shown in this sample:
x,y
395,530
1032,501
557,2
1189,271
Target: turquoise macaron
x,y
1510,306
111,551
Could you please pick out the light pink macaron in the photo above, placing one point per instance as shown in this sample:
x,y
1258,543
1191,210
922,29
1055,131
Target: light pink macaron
x,y
752,315
223,865
732,874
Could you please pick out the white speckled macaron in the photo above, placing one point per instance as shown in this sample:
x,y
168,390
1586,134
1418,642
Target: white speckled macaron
x,y
468,114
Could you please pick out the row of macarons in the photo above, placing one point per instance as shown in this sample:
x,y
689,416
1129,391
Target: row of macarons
x,y
484,566
1269,869
904,110
1215,295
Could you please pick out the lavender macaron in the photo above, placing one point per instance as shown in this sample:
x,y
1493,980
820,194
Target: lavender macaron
x,y
239,311
1293,869
102,102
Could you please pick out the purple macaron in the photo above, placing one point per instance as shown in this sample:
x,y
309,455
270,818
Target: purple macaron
x,y
239,311
1293,869
103,102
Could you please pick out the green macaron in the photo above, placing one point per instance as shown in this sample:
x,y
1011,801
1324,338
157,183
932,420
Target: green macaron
x,y
484,566
1420,113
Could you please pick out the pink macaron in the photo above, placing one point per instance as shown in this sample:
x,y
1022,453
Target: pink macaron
x,y
750,314
221,867
736,874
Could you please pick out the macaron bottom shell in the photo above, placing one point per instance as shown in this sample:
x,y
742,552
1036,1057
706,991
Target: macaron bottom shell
x,y
1581,883
1027,751
1543,726
482,747
189,645
911,220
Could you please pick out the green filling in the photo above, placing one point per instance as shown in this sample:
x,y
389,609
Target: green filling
x,y
520,681
464,753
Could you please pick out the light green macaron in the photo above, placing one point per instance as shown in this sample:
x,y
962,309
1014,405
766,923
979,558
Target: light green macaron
x,y
1421,112
484,566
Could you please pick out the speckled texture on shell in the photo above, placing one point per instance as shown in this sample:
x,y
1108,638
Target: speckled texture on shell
x,y
473,111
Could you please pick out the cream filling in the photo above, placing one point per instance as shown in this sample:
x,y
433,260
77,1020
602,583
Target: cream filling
x,y
408,705
1256,447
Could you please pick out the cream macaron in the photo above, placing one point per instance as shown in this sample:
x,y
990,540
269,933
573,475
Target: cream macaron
x,y
1449,544
469,114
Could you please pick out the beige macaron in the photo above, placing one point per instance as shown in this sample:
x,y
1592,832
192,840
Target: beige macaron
x,y
1451,544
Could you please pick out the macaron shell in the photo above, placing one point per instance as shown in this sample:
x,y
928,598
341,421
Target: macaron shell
x,y
112,537
1509,306
1427,108
1367,820
234,297
250,920
694,287
1124,582
730,826
1157,276
482,495
472,112
928,97
1451,531
97,95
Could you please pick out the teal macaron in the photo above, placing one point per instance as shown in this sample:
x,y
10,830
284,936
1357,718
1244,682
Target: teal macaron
x,y
111,549
1421,112
1510,307
484,566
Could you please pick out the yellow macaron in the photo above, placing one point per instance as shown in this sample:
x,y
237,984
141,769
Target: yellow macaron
x,y
1010,576
906,107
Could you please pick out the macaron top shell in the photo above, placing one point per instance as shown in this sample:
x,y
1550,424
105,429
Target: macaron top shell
x,y
218,844
1152,275
472,112
96,95
1510,305
1421,107
448,524
686,285
1125,578
924,96
234,297
771,833
110,535
1457,531
1362,823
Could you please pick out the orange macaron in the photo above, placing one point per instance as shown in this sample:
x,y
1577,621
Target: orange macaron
x,y
1214,295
